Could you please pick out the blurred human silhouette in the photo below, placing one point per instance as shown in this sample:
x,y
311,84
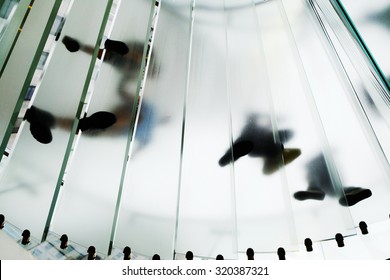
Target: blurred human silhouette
x,y
127,57
320,184
116,123
308,244
156,257
281,253
339,239
219,257
250,254
41,123
257,140
363,227
189,255
25,237
64,241
2,221
127,253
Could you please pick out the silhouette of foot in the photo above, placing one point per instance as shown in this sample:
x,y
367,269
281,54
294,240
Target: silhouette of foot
x,y
98,120
354,195
41,123
240,149
116,46
71,44
272,164
309,194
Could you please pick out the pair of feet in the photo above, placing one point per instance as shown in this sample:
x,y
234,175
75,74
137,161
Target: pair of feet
x,y
118,47
41,123
352,196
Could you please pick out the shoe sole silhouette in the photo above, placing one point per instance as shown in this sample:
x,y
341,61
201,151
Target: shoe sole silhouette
x,y
273,164
116,46
71,44
240,149
355,196
98,120
41,123
303,195
41,132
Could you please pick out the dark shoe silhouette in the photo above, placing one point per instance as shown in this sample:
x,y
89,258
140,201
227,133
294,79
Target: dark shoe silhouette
x,y
41,133
71,44
98,120
240,149
272,164
116,46
40,124
354,195
310,194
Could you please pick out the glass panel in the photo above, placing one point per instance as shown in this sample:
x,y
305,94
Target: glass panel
x,y
147,216
12,14
206,223
263,206
312,178
357,149
21,60
32,173
372,20
371,93
93,177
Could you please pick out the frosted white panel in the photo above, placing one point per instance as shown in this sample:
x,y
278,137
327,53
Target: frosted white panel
x,y
357,151
32,173
263,207
28,180
90,191
12,81
372,20
147,217
206,224
296,111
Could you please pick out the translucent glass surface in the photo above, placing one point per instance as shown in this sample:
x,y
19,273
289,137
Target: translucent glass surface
x,y
33,171
297,114
358,139
206,223
369,86
147,216
255,123
10,19
263,207
20,61
89,196
372,20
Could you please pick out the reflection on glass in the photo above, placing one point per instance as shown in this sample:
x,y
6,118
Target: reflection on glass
x,y
7,10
